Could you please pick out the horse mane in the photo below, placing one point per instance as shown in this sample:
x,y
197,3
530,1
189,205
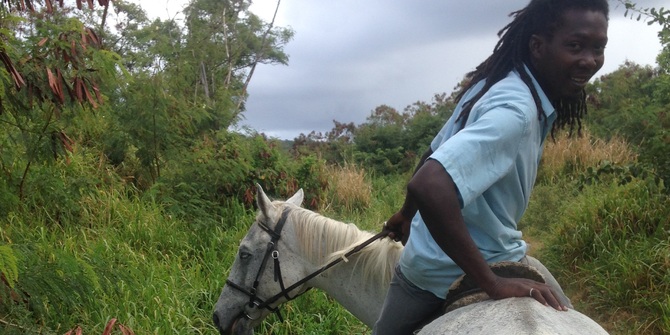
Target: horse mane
x,y
323,240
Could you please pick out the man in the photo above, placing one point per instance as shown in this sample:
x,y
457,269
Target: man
x,y
473,185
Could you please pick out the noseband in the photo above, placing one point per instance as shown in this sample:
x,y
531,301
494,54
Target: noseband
x,y
271,251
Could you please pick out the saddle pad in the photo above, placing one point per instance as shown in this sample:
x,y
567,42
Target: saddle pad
x,y
464,291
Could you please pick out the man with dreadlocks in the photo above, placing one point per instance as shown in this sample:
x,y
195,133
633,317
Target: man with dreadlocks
x,y
473,185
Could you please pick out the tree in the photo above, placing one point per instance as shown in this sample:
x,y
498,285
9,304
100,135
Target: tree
x,y
634,101
59,71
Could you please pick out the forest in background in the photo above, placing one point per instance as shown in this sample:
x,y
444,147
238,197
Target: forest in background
x,y
124,193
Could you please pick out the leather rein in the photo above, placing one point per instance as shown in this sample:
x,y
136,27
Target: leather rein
x,y
272,252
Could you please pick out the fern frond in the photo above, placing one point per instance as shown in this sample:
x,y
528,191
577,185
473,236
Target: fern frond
x,y
8,267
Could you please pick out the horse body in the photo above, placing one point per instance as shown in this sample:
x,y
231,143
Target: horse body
x,y
512,316
309,241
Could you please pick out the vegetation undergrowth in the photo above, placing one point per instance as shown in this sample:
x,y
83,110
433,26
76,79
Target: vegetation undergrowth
x,y
131,261
603,222
124,201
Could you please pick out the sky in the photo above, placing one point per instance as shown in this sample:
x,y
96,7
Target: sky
x,y
349,56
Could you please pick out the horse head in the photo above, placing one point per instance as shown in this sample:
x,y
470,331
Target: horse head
x,y
255,285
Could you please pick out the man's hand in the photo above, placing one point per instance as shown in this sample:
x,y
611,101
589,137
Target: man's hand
x,y
398,226
518,287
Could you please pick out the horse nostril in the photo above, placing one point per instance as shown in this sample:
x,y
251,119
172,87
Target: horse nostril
x,y
215,319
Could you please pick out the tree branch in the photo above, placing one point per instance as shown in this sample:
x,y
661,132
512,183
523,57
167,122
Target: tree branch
x,y
259,55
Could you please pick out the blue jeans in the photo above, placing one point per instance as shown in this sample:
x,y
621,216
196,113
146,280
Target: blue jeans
x,y
405,307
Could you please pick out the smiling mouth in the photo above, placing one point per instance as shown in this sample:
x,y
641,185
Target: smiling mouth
x,y
580,81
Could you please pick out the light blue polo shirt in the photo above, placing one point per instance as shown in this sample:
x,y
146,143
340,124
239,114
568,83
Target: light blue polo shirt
x,y
493,162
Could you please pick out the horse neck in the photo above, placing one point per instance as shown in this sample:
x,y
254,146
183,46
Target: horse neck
x,y
346,282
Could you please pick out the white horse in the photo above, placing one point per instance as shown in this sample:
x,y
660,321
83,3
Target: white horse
x,y
287,243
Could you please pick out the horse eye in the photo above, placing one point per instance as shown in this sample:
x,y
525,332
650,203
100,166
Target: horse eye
x,y
244,255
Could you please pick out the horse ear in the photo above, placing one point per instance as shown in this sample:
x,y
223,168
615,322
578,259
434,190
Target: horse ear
x,y
297,198
262,200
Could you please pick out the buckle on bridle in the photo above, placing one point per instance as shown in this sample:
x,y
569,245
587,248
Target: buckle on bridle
x,y
245,313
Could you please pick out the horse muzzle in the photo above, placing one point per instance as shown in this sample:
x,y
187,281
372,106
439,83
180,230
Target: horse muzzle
x,y
240,325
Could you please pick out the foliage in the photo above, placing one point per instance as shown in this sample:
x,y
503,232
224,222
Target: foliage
x,y
634,101
390,142
348,189
226,166
572,155
124,195
613,241
629,103
334,147
8,269
598,218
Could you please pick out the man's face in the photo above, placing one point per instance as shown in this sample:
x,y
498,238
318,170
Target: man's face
x,y
565,63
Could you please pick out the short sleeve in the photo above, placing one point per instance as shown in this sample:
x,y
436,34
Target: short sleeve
x,y
485,150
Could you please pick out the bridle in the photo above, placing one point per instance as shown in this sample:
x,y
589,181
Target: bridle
x,y
272,252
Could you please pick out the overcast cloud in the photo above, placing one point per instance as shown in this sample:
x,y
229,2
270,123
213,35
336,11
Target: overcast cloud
x,y
350,56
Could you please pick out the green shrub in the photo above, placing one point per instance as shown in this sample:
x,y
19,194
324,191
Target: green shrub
x,y
614,242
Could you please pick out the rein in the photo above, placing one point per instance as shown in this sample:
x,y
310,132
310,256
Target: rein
x,y
258,303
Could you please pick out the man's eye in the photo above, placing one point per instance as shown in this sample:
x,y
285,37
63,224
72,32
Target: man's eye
x,y
574,46
599,49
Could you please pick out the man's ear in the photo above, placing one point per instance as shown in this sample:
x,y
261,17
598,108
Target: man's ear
x,y
536,46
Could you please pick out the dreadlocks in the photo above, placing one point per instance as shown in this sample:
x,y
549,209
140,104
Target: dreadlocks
x,y
540,17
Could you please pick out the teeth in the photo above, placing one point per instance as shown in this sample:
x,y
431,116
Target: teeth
x,y
579,80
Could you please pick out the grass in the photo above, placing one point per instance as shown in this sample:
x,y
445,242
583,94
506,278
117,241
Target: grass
x,y
132,262
348,189
127,258
613,246
571,155
607,242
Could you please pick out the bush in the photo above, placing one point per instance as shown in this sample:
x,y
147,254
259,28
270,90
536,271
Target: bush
x,y
614,242
347,188
224,167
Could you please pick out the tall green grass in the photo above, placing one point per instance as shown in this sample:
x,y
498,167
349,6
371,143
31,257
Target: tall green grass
x,y
109,253
130,260
603,228
613,244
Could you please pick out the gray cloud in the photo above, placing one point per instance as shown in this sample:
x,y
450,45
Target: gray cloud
x,y
349,56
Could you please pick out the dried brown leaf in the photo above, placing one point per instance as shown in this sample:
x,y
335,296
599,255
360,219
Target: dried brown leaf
x,y
93,37
89,97
16,76
77,89
73,48
109,327
84,41
98,96
42,41
74,331
55,85
59,86
52,81
66,57
125,330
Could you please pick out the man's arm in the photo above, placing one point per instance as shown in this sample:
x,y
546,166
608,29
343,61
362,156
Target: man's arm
x,y
434,194
399,223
